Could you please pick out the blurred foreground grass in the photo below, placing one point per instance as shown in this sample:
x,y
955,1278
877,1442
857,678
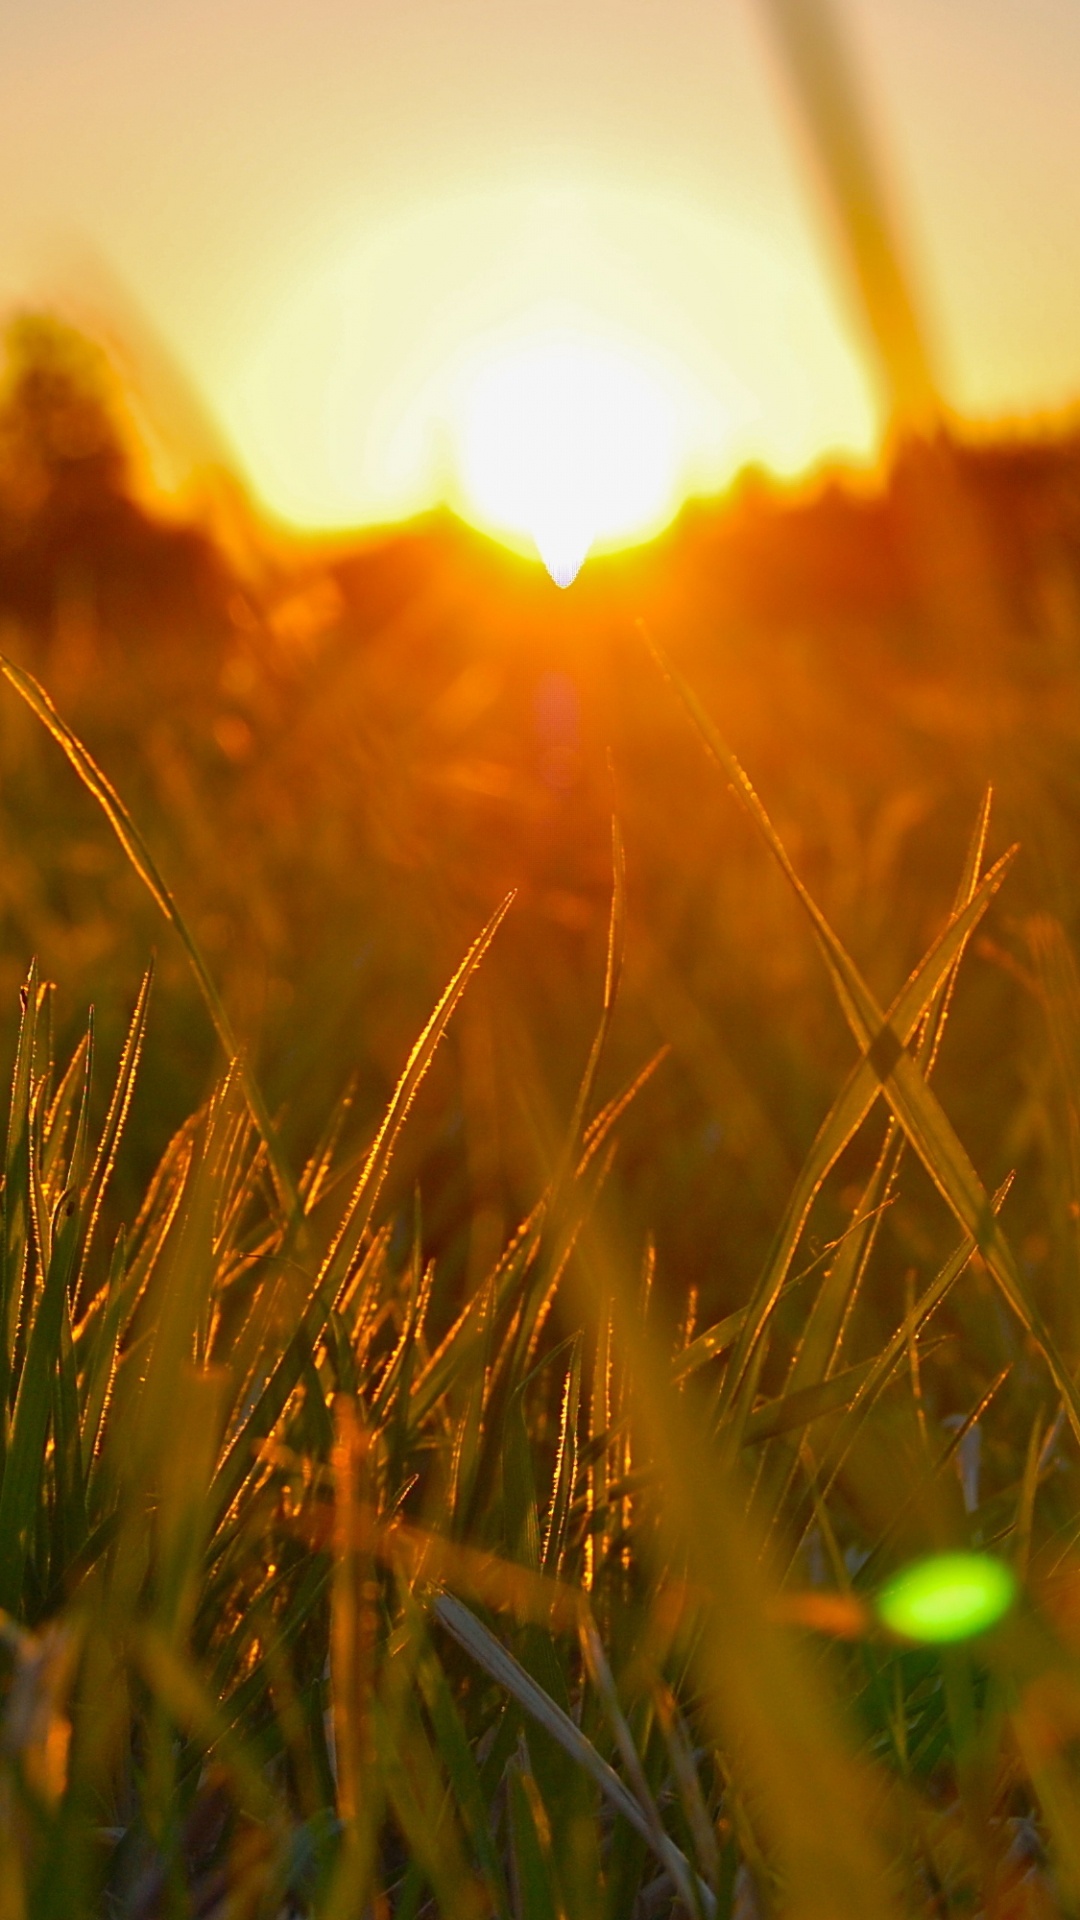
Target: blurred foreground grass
x,y
484,1513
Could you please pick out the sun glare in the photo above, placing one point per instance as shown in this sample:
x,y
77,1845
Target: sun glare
x,y
569,441
562,363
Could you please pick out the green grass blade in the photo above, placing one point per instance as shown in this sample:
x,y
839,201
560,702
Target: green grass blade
x,y
462,1771
25,1465
535,1886
492,1656
15,1209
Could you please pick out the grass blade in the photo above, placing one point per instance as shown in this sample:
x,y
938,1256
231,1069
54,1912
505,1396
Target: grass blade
x,y
489,1653
141,858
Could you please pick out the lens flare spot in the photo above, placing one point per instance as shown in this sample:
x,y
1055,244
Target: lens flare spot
x,y
951,1596
570,441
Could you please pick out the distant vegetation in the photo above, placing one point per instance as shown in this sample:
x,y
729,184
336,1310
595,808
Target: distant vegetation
x,y
382,1517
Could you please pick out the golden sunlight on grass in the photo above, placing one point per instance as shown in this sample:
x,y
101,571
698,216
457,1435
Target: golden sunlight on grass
x,y
539,1137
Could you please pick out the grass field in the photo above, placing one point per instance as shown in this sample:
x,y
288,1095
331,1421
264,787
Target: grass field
x,y
480,1326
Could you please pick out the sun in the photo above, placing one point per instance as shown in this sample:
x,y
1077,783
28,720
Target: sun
x,y
567,440
562,362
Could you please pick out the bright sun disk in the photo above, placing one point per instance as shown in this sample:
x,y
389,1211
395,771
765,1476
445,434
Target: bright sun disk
x,y
570,441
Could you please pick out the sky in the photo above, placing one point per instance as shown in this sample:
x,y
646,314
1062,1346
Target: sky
x,y
345,224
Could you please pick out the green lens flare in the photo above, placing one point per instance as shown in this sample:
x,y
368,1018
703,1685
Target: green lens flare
x,y
949,1597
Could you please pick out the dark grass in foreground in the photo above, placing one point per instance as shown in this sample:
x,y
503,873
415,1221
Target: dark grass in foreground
x,y
330,1591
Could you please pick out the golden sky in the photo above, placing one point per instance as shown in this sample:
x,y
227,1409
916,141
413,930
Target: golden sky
x,y
340,217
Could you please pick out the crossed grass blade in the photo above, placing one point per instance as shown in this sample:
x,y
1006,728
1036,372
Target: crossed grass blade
x,y
819,1345
910,1098
818,1349
850,1108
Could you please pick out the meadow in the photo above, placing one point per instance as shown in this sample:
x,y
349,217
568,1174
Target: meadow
x,y
571,1181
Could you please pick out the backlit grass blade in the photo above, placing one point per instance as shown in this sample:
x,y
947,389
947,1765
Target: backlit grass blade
x,y
677,1739
141,858
562,1158
855,997
558,1220
175,1682
25,1464
15,1208
598,1129
357,1216
798,1406
71,1520
112,1131
565,1476
57,1122
840,967
317,1171
100,1368
337,1264
520,1498
467,1341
